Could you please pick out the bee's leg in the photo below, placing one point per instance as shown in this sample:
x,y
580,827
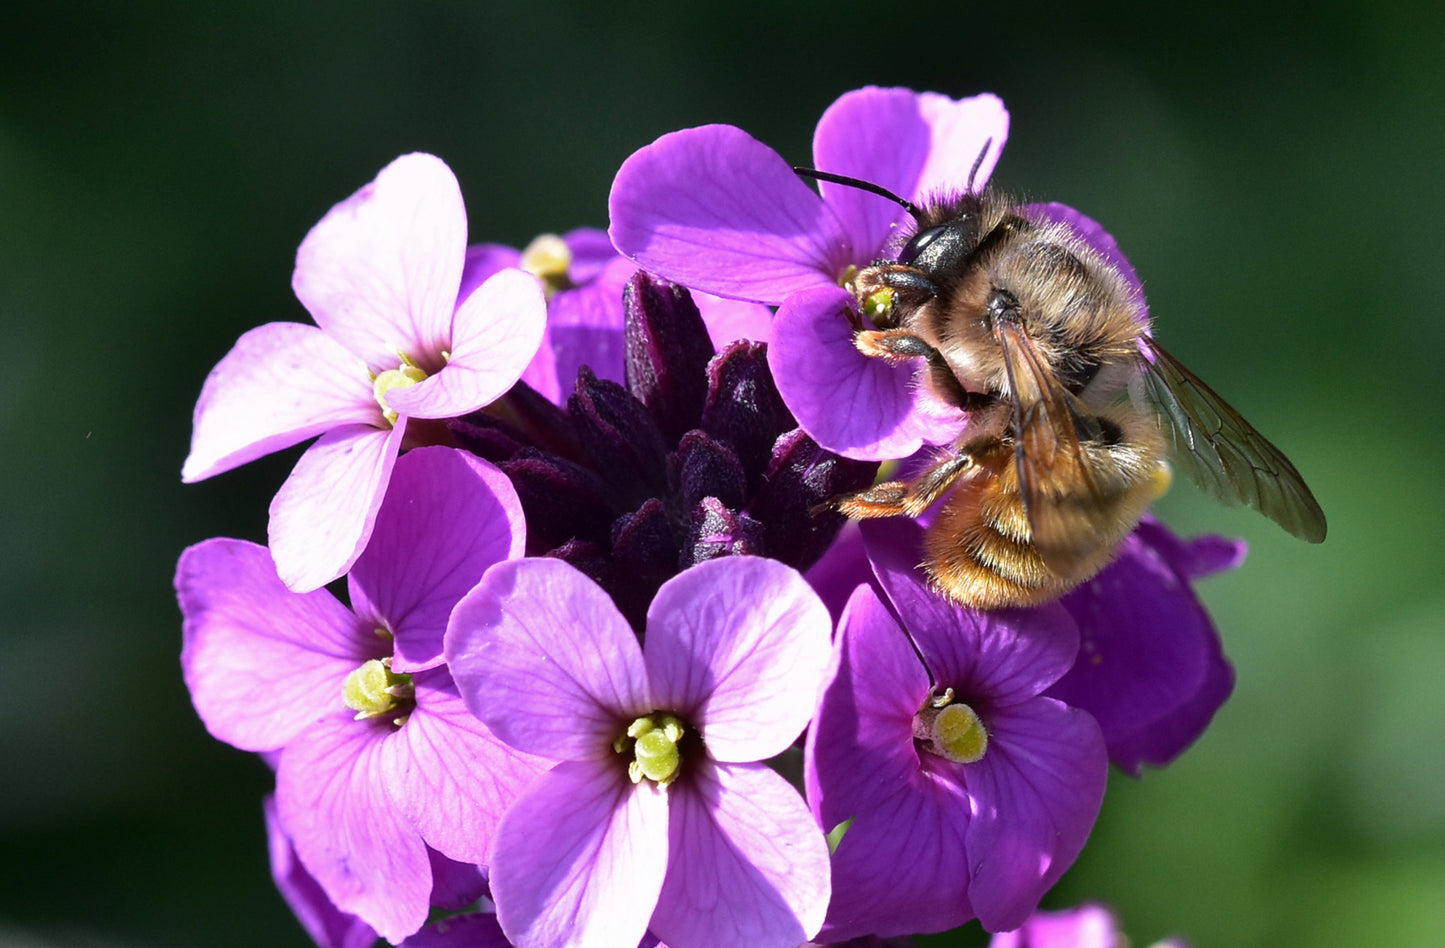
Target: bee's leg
x,y
904,498
894,346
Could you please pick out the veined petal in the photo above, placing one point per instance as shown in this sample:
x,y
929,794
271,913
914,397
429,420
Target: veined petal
x,y
495,334
902,868
327,926
1035,793
380,272
332,801
540,654
450,776
261,661
714,209
960,131
322,516
279,385
746,866
446,517
860,747
738,645
580,857
1003,655
860,407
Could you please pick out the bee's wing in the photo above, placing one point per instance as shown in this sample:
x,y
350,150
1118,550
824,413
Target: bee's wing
x,y
1222,452
1067,512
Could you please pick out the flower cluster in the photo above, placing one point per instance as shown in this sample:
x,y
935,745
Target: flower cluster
x,y
609,670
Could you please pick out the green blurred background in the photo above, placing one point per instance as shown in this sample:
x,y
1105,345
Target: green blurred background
x,y
1273,171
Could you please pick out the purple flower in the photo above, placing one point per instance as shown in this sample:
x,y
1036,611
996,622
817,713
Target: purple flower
x,y
1151,669
657,813
379,761
716,210
584,279
380,275
970,792
1088,926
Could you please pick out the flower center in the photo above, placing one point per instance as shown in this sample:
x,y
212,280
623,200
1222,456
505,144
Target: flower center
x,y
652,740
549,258
373,690
407,373
951,729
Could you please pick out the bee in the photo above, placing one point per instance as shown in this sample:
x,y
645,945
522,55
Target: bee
x,y
1073,408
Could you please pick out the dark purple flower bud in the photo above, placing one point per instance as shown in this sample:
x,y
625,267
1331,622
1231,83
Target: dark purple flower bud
x,y
668,350
644,555
801,476
708,468
743,407
717,531
620,438
562,501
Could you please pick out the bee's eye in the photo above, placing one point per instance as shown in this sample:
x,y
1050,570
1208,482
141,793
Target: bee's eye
x,y
919,243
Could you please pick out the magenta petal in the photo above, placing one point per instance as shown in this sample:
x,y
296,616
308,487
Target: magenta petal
x,y
960,131
279,385
327,926
716,210
382,268
261,661
450,776
860,748
903,868
332,801
730,320
476,930
446,517
1088,926
738,646
859,407
580,857
322,516
747,865
496,332
536,632
1036,794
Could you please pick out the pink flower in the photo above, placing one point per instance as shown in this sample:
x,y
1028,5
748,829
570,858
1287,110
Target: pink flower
x,y
380,275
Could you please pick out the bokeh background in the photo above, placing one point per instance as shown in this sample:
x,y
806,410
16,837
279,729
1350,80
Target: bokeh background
x,y
1274,172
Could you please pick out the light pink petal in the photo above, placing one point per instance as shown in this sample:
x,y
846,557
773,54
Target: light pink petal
x,y
902,867
859,407
322,516
543,657
496,332
715,209
326,926
451,776
739,646
332,801
747,864
380,272
1036,793
446,517
261,661
579,859
961,131
279,385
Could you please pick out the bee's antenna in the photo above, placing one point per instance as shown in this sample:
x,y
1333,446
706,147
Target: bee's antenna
x,y
977,163
862,185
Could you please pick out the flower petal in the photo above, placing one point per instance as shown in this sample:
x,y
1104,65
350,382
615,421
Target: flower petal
x,y
747,865
496,332
902,868
540,654
718,211
380,272
261,661
474,930
446,517
585,327
279,385
960,130
739,646
1036,793
580,857
326,925
450,776
1001,655
860,748
322,516
849,403
331,800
